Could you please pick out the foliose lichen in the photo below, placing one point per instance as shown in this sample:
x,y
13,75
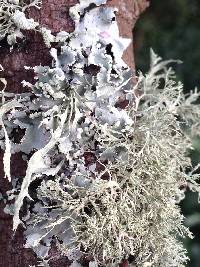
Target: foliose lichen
x,y
109,158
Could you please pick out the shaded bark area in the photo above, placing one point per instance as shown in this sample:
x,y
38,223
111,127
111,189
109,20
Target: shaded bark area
x,y
128,14
54,15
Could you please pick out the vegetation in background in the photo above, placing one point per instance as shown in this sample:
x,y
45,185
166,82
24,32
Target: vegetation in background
x,y
171,28
107,164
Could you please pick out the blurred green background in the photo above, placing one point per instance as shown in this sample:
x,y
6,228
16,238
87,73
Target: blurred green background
x,y
172,29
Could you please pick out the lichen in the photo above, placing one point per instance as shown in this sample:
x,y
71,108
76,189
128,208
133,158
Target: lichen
x,y
106,160
13,19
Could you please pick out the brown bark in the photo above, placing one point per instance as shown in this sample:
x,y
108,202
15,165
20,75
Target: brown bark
x,y
54,15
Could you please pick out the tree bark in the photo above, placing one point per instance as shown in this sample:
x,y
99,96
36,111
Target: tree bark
x,y
54,15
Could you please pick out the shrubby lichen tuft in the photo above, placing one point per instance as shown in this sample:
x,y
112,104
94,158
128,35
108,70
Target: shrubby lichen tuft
x,y
110,158
13,19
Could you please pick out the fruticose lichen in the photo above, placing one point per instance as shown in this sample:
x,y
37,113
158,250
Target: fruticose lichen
x,y
107,161
13,19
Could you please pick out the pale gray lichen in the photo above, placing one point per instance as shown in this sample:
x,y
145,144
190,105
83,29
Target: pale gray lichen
x,y
13,19
78,10
109,159
48,37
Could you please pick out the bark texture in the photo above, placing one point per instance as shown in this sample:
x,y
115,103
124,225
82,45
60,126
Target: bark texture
x,y
54,15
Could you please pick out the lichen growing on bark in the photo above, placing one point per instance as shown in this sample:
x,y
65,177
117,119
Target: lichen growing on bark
x,y
107,161
13,19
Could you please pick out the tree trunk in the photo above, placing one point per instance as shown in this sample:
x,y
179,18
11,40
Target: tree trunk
x,y
54,15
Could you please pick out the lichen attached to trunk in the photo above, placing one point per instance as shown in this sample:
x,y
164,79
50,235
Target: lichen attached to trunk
x,y
106,160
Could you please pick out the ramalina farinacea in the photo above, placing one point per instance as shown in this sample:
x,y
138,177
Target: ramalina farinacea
x,y
110,159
